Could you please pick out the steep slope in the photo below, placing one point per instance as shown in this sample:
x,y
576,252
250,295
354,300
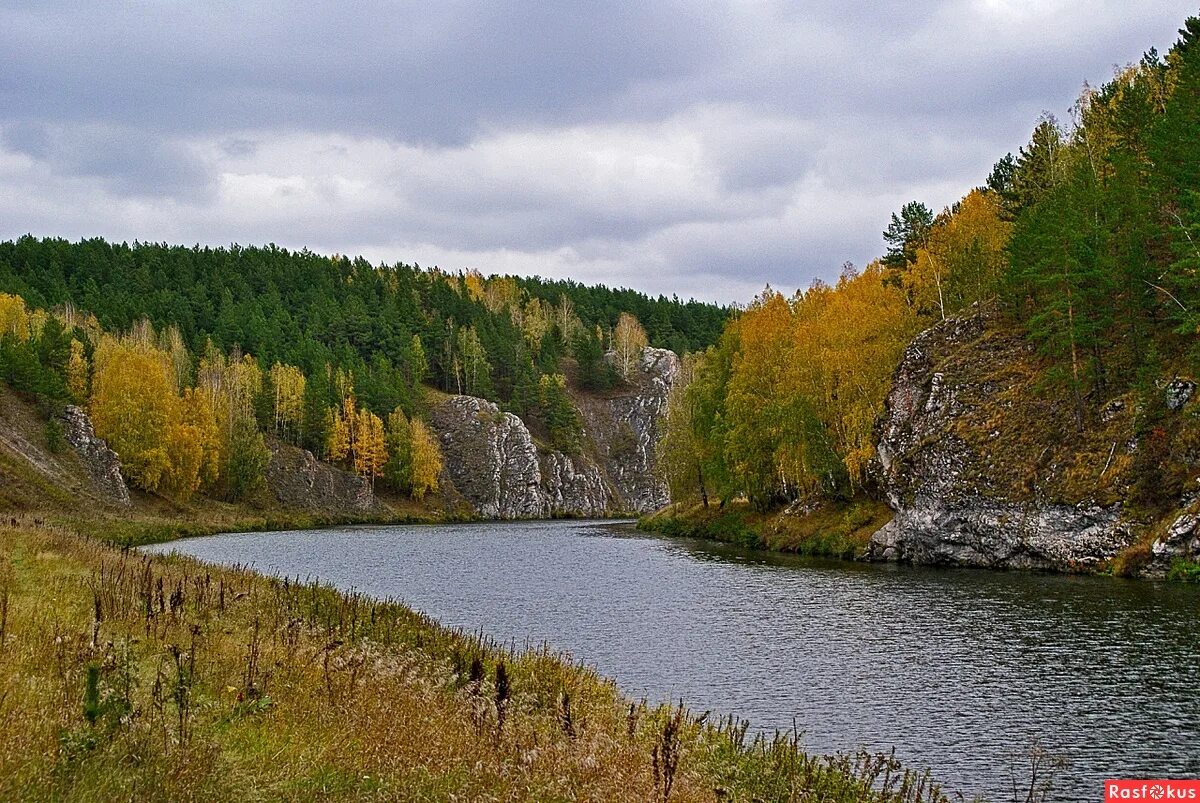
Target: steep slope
x,y
493,461
54,463
984,466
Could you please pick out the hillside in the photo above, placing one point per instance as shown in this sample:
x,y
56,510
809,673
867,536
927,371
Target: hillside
x,y
1013,377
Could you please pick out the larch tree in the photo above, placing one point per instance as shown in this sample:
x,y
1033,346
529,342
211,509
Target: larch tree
x,y
426,460
370,454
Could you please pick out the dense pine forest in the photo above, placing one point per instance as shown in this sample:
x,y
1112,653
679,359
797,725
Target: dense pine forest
x,y
1088,242
188,358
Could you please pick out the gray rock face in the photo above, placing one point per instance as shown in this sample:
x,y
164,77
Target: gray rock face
x,y
300,481
1178,393
574,486
943,514
1182,540
102,463
490,458
493,462
626,428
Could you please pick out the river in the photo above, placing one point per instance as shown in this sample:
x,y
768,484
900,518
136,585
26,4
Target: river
x,y
959,670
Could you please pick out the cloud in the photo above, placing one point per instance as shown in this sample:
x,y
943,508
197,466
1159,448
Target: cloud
x,y
694,148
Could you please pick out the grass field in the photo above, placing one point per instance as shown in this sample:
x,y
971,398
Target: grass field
x,y
127,677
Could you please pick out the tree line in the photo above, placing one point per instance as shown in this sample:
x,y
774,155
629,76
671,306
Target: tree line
x,y
393,327
1088,239
185,423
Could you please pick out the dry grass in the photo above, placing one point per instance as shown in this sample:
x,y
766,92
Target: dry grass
x,y
130,677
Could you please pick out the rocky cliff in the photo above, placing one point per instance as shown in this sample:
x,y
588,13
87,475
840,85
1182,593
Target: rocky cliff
x,y
55,463
299,481
102,463
494,463
625,428
969,460
985,468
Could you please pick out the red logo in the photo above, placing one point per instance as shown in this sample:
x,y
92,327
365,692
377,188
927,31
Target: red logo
x,y
1153,791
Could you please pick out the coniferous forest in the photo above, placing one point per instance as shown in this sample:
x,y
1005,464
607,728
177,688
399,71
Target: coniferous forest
x,y
186,357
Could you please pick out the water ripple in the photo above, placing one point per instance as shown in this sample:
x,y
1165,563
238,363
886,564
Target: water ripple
x,y
958,670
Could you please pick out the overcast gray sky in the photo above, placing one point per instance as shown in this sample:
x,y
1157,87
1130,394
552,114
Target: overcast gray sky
x,y
699,148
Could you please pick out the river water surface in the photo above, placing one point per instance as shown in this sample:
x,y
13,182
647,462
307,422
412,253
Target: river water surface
x,y
959,670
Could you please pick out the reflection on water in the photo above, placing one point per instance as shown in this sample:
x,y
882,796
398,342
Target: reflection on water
x,y
958,670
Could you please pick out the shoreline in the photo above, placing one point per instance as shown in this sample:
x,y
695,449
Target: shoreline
x,y
267,674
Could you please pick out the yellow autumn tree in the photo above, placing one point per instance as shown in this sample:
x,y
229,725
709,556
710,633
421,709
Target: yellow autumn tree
x,y
342,442
370,454
629,340
398,469
337,442
14,317
536,320
964,258
425,460
474,284
679,450
503,292
135,408
232,385
171,341
852,337
288,385
764,446
197,413
78,372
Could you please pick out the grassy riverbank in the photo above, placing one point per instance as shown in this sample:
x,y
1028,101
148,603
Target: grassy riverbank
x,y
836,531
131,677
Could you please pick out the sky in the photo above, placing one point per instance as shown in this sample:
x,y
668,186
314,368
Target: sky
x,y
703,149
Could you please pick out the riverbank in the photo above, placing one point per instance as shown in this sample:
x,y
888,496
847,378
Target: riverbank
x,y
831,530
844,531
162,678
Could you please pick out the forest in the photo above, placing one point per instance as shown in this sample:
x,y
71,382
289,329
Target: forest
x,y
1087,240
392,326
190,360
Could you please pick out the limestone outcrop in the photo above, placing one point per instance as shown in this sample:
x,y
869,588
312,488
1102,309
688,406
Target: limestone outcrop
x,y
103,465
301,481
493,461
941,445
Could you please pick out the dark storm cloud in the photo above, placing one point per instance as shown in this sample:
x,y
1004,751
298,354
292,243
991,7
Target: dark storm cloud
x,y
697,147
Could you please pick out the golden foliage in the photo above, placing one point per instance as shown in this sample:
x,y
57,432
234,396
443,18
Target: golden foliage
x,y
288,384
78,372
963,259
426,460
370,452
135,408
629,339
14,317
786,404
